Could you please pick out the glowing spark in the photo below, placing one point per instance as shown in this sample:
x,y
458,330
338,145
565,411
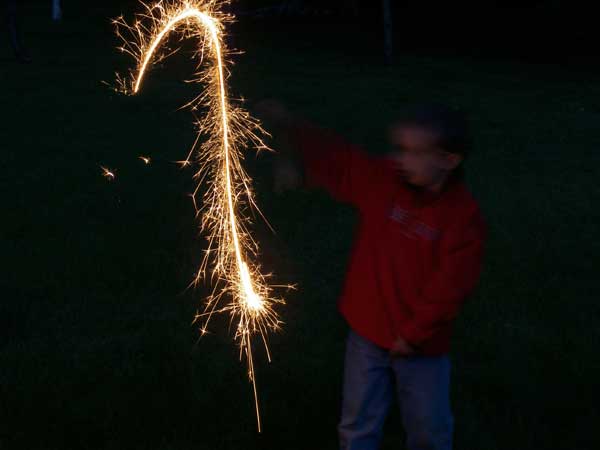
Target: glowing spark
x,y
183,164
243,293
107,173
145,159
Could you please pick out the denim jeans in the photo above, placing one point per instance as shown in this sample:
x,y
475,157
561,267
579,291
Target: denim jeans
x,y
422,386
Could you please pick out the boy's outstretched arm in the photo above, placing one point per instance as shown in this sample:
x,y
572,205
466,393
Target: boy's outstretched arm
x,y
441,298
326,159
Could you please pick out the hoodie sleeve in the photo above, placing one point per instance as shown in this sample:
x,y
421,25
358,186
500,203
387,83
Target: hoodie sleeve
x,y
342,169
454,280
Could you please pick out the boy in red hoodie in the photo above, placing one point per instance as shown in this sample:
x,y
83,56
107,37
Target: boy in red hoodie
x,y
416,257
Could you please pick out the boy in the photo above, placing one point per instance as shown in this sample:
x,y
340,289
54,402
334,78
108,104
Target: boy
x,y
416,257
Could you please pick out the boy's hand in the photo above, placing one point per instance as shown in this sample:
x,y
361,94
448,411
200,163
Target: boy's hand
x,y
402,348
273,111
286,175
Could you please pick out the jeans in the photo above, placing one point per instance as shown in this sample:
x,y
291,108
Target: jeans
x,y
422,385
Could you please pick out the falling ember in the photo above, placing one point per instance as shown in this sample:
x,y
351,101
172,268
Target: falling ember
x,y
241,290
145,159
107,173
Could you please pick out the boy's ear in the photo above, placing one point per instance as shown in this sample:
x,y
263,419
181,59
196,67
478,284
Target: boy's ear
x,y
451,161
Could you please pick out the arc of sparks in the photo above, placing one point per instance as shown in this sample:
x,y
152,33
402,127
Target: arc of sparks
x,y
227,128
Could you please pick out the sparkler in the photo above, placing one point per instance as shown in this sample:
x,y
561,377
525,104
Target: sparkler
x,y
240,289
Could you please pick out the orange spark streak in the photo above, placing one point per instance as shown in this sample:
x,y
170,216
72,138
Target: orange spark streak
x,y
107,173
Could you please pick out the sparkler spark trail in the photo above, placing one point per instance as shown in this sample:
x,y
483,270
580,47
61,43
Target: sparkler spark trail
x,y
107,173
241,289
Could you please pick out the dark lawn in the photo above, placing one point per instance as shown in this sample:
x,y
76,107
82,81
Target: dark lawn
x,y
96,348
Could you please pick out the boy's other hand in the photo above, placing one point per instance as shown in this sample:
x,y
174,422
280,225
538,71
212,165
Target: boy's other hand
x,y
402,348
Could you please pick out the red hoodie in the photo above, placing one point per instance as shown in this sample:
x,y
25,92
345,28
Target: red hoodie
x,y
416,256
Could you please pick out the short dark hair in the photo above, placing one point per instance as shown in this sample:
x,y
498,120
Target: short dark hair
x,y
448,124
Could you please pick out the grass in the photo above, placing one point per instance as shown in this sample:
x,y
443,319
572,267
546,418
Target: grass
x,y
96,347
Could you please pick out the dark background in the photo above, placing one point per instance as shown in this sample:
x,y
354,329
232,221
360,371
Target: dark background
x,y
97,349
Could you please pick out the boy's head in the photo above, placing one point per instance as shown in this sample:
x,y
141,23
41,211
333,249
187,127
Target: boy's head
x,y
428,144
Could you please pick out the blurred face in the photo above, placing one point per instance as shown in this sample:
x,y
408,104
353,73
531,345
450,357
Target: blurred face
x,y
417,158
